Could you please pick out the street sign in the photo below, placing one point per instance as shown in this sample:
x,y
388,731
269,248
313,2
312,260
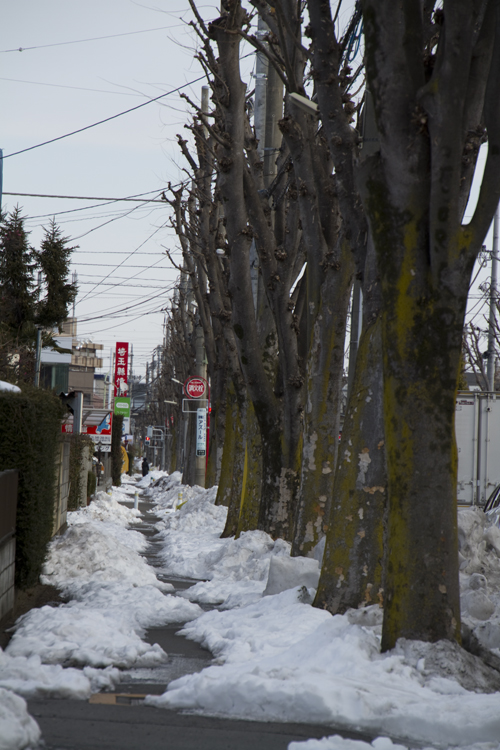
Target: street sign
x,y
201,432
121,369
191,405
103,448
122,406
195,387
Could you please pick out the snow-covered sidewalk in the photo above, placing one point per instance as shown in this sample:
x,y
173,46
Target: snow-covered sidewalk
x,y
276,657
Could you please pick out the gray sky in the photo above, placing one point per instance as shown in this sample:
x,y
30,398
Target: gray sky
x,y
53,90
66,83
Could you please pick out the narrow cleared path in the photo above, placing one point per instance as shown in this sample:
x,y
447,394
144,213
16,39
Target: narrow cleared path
x,y
120,720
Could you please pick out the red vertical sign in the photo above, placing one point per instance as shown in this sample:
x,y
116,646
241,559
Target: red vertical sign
x,y
121,369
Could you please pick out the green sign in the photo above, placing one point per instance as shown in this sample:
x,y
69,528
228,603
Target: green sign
x,y
122,406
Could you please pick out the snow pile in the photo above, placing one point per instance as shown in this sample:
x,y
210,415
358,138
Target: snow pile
x,y
479,545
283,660
103,626
279,659
4,386
18,729
106,508
287,572
236,571
339,743
149,479
115,597
192,532
99,552
29,677
165,489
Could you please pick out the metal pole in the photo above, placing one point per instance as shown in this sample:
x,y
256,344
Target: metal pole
x,y
1,177
493,297
205,105
38,356
356,318
78,413
110,376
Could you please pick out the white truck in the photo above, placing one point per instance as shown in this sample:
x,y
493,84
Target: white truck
x,y
477,429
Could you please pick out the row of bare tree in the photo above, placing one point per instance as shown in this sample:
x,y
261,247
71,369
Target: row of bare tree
x,y
279,217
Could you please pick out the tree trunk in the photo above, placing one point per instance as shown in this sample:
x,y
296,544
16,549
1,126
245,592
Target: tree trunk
x,y
351,574
422,349
217,428
233,449
252,475
325,369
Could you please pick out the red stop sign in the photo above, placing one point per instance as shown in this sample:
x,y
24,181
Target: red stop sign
x,y
195,387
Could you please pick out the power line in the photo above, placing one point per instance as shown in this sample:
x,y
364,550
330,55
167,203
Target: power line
x,y
112,265
123,261
73,88
110,312
107,119
81,41
111,252
105,223
121,284
86,198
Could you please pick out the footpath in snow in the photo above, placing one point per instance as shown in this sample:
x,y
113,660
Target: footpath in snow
x,y
276,657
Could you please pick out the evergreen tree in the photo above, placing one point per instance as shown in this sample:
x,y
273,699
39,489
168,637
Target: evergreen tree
x,y
54,259
17,298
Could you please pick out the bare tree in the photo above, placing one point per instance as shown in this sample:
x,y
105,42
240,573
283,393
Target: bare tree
x,y
432,73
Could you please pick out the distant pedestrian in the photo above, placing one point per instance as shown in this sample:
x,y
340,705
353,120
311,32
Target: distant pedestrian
x,y
145,466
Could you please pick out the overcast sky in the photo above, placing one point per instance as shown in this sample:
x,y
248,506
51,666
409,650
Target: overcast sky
x,y
70,79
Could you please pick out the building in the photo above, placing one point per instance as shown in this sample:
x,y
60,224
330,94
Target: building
x,y
72,369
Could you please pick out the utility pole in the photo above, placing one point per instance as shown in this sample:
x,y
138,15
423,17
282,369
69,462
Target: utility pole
x,y
38,356
74,279
268,111
493,298
111,360
1,177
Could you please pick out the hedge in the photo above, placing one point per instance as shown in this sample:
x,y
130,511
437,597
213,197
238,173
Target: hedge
x,y
30,430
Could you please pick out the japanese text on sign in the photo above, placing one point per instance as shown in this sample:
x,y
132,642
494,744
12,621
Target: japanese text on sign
x,y
121,369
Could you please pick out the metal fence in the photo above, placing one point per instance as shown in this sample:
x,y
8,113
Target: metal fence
x,y
8,508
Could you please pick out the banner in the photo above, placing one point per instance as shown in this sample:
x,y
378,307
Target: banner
x,y
97,425
121,369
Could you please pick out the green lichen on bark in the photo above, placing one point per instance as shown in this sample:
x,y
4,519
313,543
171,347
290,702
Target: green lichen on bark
x,y
322,409
252,476
351,574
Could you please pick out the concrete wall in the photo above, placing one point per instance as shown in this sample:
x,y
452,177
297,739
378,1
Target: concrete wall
x,y
62,486
7,571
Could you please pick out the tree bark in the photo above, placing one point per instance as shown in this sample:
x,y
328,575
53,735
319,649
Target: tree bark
x,y
325,367
351,574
